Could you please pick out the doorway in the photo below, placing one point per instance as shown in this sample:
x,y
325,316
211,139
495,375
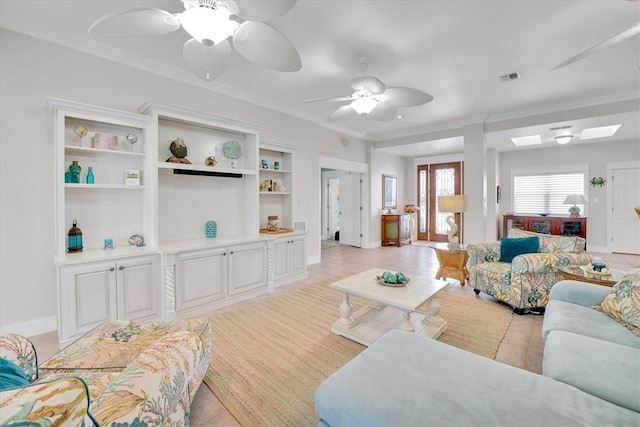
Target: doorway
x,y
442,179
341,208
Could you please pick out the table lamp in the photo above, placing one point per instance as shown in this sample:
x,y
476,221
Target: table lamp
x,y
575,199
452,204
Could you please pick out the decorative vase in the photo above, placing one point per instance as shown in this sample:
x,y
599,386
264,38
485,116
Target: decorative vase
x,y
74,170
211,229
90,177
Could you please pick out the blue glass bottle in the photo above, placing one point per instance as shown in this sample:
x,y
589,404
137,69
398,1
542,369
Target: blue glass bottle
x,y
75,170
91,179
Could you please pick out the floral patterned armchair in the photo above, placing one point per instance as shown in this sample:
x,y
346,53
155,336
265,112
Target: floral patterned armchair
x,y
120,374
524,283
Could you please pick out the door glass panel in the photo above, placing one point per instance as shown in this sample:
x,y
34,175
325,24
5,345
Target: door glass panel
x,y
422,196
445,186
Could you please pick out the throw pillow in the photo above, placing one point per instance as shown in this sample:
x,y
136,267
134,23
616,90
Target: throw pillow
x,y
512,247
622,303
11,375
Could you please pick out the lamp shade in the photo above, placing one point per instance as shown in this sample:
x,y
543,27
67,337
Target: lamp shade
x,y
575,199
453,203
364,105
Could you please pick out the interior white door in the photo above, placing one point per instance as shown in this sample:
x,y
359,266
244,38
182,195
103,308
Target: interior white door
x,y
625,187
334,206
350,209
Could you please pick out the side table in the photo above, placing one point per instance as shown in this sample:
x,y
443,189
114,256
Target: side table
x,y
582,275
453,262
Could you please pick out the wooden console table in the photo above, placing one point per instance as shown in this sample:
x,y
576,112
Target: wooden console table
x,y
395,230
556,225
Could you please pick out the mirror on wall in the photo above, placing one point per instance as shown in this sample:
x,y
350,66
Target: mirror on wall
x,y
389,192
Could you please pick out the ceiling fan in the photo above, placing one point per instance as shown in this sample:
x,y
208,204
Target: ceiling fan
x,y
212,23
373,99
612,40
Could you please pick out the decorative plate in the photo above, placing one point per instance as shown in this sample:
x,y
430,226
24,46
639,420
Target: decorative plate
x,y
232,150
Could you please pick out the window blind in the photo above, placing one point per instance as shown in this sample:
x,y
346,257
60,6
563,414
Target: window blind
x,y
545,193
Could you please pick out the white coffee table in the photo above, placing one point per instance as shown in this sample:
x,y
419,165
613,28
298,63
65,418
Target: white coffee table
x,y
390,307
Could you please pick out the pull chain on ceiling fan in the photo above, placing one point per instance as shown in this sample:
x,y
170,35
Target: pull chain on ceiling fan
x,y
373,99
212,24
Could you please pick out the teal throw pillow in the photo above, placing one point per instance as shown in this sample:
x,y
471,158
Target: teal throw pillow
x,y
11,375
512,247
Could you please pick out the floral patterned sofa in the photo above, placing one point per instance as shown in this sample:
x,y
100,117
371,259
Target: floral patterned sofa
x,y
524,283
121,373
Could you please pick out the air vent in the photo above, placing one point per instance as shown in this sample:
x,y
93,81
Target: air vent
x,y
562,127
509,77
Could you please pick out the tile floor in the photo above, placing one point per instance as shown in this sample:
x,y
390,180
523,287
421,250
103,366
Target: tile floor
x,y
522,346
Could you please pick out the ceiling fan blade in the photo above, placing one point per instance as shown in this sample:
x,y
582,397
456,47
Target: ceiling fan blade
x,y
206,62
384,112
406,97
135,23
267,47
609,41
371,84
260,11
332,99
341,113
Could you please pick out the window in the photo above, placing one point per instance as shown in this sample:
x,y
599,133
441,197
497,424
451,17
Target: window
x,y
544,190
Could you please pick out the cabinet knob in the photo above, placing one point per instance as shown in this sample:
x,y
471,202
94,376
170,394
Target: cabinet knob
x,y
112,269
121,268
224,254
231,252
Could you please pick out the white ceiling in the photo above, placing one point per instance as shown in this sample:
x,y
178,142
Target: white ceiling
x,y
453,50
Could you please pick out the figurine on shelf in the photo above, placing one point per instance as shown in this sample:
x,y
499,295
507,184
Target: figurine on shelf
x,y
210,161
179,151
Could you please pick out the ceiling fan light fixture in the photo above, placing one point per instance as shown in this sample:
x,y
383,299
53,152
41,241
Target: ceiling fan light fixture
x,y
563,139
364,105
207,25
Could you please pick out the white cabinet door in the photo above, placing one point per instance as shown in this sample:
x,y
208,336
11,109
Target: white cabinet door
x,y
289,259
247,267
138,284
201,277
87,297
298,255
280,259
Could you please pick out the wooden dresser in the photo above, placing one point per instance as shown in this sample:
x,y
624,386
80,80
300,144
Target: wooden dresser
x,y
557,225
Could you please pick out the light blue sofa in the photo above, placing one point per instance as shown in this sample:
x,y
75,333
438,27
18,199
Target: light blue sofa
x,y
403,379
588,349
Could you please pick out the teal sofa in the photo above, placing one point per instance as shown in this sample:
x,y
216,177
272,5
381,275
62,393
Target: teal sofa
x,y
591,368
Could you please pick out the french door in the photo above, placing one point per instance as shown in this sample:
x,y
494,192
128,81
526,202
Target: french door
x,y
443,179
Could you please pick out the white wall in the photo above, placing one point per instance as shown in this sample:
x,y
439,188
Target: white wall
x,y
383,163
597,155
32,70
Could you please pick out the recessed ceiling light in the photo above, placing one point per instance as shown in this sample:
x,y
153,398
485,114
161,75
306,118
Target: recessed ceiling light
x,y
600,132
523,141
399,116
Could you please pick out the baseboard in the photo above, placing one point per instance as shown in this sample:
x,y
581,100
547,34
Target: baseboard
x,y
32,327
313,260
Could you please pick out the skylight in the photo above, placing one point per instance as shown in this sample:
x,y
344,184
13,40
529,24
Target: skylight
x,y
600,132
523,141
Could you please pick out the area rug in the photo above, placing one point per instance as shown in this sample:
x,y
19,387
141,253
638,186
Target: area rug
x,y
269,357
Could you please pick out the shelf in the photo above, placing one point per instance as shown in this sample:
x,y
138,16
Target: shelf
x,y
280,193
213,170
98,151
274,171
105,186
